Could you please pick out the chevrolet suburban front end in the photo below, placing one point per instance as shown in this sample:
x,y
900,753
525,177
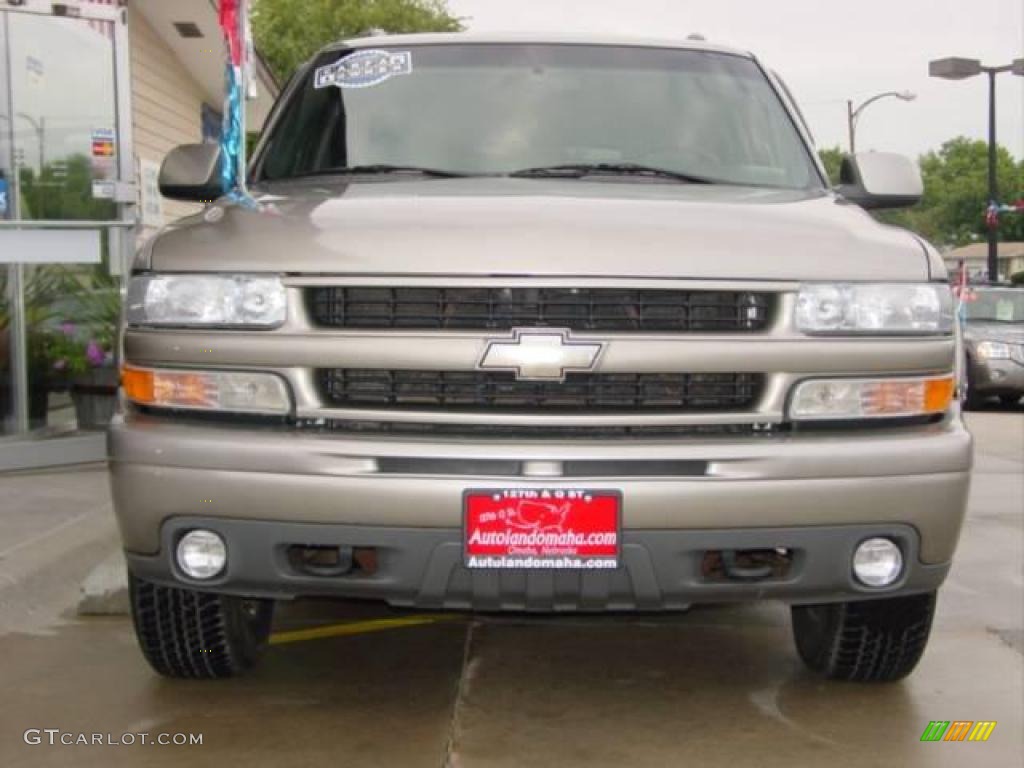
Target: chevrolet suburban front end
x,y
539,325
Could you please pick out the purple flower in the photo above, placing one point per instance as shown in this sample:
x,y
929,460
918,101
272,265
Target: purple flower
x,y
60,365
94,354
68,329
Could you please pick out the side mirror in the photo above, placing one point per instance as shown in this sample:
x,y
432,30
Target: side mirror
x,y
192,172
880,180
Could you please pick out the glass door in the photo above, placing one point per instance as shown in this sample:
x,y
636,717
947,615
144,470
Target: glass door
x,y
7,289
69,182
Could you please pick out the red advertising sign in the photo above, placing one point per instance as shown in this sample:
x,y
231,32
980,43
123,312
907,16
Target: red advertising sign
x,y
542,528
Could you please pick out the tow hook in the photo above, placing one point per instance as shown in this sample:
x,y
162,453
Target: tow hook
x,y
737,572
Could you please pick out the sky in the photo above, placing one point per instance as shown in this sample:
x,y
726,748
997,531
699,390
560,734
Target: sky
x,y
827,52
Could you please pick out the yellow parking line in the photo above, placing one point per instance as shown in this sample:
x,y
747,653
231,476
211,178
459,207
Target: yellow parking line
x,y
355,628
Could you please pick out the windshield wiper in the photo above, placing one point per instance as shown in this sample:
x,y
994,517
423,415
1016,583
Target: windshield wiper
x,y
579,170
382,169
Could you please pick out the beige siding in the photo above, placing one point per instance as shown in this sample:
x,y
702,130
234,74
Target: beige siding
x,y
166,102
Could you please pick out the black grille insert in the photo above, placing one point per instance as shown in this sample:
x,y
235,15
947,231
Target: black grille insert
x,y
579,309
511,432
501,391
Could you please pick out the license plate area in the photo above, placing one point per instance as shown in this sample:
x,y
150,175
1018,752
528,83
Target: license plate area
x,y
542,528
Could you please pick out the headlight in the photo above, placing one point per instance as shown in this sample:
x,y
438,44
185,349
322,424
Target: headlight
x,y
206,300
993,350
230,391
874,308
834,399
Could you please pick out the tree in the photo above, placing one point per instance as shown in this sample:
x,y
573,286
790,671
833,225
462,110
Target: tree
x,y
63,190
832,159
956,191
952,210
288,32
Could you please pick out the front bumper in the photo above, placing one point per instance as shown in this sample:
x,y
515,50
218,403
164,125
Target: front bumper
x,y
816,494
422,568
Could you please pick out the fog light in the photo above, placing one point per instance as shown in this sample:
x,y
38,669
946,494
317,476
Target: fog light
x,y
877,562
202,554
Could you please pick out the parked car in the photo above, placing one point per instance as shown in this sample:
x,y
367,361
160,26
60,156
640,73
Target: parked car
x,y
994,344
550,325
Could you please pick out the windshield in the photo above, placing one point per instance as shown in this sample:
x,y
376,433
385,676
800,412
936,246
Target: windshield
x,y
1006,306
499,109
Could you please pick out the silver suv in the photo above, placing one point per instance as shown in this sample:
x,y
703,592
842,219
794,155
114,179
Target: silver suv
x,y
515,324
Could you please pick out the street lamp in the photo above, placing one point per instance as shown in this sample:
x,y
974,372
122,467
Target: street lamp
x,y
39,126
956,68
853,115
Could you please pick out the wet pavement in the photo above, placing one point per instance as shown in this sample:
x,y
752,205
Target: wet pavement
x,y
716,686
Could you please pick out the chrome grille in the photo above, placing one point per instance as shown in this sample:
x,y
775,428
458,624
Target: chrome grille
x,y
503,308
501,391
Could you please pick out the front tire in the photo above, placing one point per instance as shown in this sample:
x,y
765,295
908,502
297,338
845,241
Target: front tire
x,y
185,633
866,641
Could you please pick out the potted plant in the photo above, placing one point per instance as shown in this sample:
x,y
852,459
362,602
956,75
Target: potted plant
x,y
43,287
82,358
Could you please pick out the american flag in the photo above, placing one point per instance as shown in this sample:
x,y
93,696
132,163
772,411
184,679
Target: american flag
x,y
992,215
105,28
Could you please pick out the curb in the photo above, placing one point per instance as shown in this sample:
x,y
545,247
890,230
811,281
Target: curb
x,y
104,592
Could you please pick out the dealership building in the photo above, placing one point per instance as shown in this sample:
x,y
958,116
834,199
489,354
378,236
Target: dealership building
x,y
93,94
1010,258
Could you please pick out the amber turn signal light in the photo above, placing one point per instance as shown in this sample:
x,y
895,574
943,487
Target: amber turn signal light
x,y
234,391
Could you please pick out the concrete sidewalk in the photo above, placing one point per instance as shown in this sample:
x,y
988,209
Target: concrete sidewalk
x,y
55,528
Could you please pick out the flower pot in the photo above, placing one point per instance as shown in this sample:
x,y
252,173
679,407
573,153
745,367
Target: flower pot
x,y
95,398
38,399
38,403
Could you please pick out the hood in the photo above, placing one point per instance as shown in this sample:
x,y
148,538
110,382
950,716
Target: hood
x,y
502,226
1012,333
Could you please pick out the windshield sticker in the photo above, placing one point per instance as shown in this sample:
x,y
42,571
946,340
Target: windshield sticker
x,y
364,69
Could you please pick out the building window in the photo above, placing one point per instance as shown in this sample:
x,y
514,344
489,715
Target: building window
x,y
212,120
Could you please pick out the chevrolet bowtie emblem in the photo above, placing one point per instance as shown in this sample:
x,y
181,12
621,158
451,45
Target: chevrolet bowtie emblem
x,y
540,355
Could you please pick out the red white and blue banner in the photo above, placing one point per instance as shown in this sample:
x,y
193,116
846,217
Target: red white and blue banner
x,y
234,22
995,210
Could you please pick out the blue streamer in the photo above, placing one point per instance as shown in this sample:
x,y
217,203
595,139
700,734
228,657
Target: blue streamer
x,y
231,137
232,140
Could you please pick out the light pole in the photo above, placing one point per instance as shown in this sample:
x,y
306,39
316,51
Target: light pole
x,y
853,115
39,126
955,68
40,129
